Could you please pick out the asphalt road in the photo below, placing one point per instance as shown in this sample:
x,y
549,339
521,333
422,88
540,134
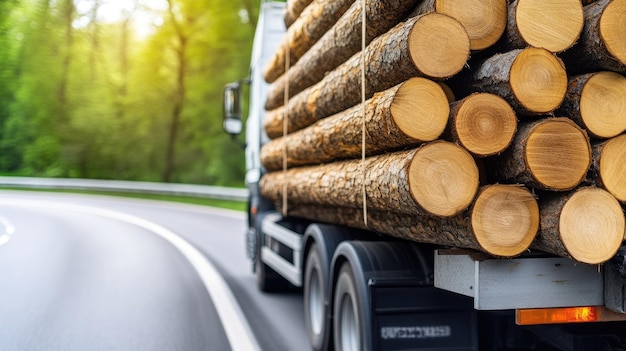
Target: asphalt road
x,y
102,273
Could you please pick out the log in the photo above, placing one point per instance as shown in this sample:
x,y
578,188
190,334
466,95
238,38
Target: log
x,y
432,45
483,123
608,168
549,154
602,44
597,102
503,222
586,225
312,23
408,114
439,178
447,231
555,25
338,44
449,92
293,9
532,80
505,219
484,20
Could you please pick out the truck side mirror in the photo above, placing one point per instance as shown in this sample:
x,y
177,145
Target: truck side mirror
x,y
232,123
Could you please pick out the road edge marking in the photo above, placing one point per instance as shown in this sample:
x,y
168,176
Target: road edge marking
x,y
9,229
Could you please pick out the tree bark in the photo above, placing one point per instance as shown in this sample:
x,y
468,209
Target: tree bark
x,y
438,178
601,45
408,114
549,154
95,38
532,80
124,65
313,22
68,19
179,96
338,44
447,231
484,20
483,123
293,9
608,168
586,225
597,102
411,49
503,222
554,25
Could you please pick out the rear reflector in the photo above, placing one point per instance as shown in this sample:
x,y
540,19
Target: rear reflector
x,y
567,315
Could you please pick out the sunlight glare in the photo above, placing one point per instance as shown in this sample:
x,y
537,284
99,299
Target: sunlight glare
x,y
145,14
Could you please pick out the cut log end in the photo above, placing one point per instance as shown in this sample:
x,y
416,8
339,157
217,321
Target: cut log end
x,y
485,124
420,109
603,104
271,73
558,154
613,167
592,226
485,20
439,45
443,178
538,80
273,122
505,219
554,25
448,91
613,30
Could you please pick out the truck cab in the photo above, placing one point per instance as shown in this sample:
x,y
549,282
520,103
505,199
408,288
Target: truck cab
x,y
269,32
366,291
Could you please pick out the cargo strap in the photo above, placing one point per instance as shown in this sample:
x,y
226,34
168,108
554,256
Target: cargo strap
x,y
363,131
285,208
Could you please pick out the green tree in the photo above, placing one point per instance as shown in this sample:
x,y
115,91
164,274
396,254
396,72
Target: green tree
x,y
82,95
9,39
35,107
211,47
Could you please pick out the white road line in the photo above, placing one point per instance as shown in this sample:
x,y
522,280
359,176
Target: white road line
x,y
9,229
236,326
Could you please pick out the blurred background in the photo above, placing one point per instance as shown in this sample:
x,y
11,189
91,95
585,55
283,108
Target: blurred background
x,y
121,89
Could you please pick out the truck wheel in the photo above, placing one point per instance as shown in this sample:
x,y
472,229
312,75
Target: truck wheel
x,y
315,287
347,316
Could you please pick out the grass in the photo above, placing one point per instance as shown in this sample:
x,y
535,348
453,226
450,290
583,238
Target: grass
x,y
228,204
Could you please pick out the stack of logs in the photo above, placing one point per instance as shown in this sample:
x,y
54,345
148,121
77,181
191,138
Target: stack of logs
x,y
519,146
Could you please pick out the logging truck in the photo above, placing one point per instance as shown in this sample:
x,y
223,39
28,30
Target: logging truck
x,y
507,241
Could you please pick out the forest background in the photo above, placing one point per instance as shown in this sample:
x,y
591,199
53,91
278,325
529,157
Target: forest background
x,y
122,89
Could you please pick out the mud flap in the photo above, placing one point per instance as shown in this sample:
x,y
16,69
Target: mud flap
x,y
615,282
421,318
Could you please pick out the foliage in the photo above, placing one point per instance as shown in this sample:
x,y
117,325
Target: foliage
x,y
87,94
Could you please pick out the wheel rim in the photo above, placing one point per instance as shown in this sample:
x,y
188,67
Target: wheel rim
x,y
348,327
316,306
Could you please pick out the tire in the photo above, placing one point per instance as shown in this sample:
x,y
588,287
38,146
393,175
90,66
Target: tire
x,y
347,327
315,308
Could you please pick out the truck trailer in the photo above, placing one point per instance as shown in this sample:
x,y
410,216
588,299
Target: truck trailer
x,y
364,290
